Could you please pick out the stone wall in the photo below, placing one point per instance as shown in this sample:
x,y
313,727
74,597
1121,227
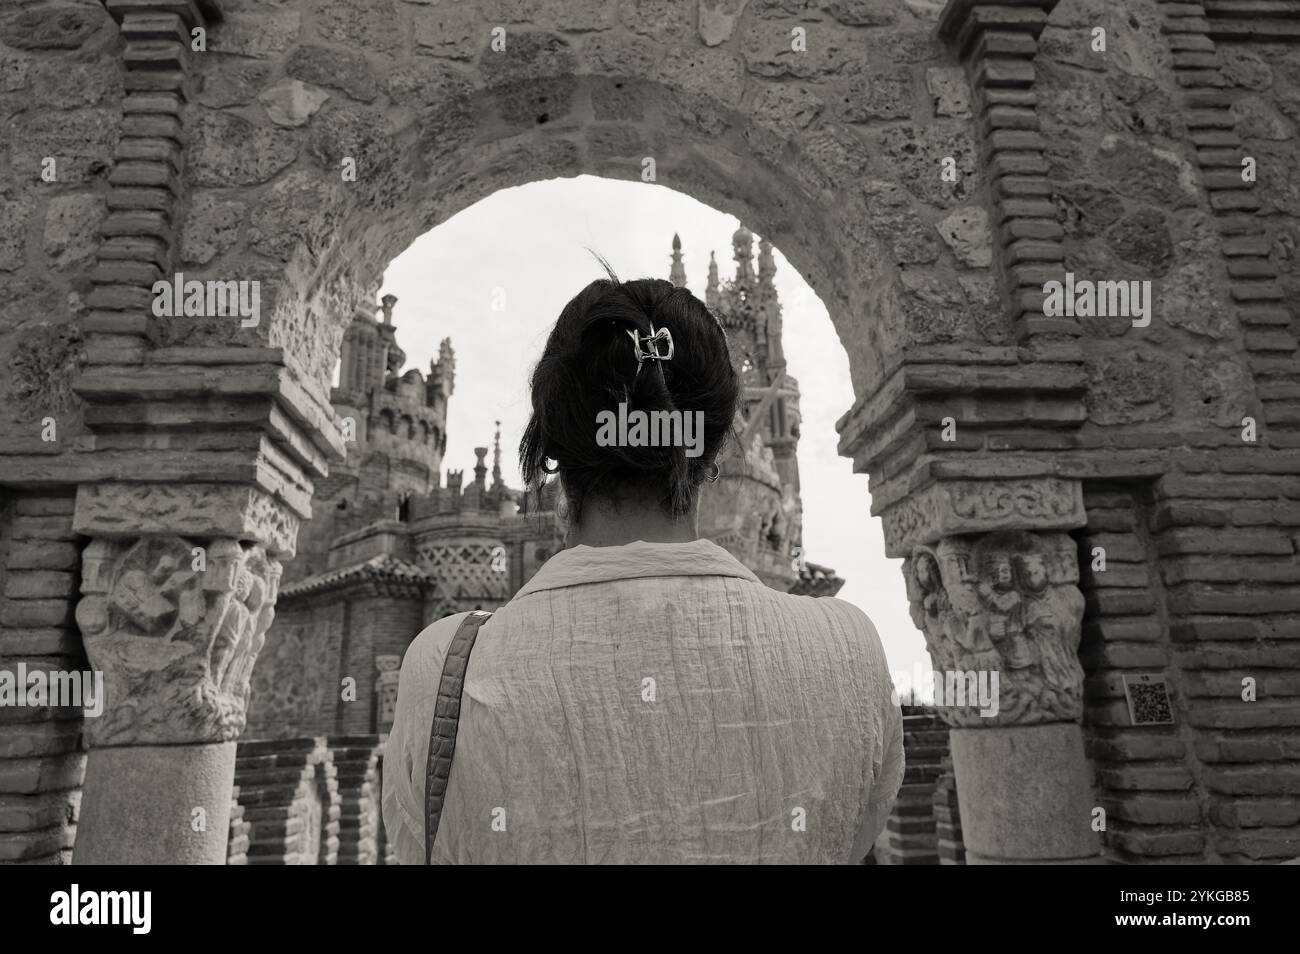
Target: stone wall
x,y
61,91
318,641
1201,592
1148,145
296,688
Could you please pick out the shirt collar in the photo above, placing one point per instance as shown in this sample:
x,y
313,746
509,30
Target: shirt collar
x,y
583,564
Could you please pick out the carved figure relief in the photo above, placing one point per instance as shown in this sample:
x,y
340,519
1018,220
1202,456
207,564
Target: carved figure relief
x,y
1004,602
176,630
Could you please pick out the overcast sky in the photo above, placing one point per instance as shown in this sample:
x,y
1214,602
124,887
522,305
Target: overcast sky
x,y
524,251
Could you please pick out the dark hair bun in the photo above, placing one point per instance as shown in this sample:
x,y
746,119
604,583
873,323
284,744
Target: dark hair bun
x,y
589,366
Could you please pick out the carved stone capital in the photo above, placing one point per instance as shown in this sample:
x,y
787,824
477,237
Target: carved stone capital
x,y
978,506
175,625
241,511
1004,604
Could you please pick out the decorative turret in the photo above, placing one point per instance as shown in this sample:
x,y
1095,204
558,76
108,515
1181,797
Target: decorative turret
x,y
677,274
496,460
394,356
711,298
398,419
480,468
742,246
735,308
767,310
442,373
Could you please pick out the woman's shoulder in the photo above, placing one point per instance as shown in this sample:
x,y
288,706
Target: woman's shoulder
x,y
848,612
428,651
831,609
836,615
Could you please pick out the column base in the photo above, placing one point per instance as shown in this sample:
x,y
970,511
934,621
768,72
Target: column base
x,y
138,806
1025,795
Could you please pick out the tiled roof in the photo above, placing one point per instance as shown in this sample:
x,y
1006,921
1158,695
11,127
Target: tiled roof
x,y
382,567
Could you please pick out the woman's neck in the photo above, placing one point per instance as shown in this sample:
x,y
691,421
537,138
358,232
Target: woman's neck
x,y
602,525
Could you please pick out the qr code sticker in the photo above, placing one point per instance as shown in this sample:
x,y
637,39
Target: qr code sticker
x,y
1148,700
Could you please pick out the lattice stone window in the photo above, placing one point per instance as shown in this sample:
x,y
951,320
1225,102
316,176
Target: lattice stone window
x,y
465,571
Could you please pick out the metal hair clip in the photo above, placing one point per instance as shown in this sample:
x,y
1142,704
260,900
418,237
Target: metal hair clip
x,y
651,341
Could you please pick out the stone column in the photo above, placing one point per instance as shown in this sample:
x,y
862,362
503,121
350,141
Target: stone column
x,y
1002,615
197,468
175,622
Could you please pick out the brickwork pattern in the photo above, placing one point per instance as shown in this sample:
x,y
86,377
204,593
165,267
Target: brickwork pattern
x,y
1213,786
910,836
289,793
356,758
237,846
41,758
947,817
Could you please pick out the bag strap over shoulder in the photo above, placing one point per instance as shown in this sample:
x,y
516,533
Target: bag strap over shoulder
x,y
446,722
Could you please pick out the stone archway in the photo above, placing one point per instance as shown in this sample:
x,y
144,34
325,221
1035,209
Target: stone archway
x,y
826,125
322,140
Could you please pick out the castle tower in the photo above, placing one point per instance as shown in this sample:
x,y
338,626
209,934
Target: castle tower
x,y
754,511
394,425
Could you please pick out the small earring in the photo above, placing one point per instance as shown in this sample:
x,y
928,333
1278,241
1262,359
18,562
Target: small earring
x,y
550,470
717,471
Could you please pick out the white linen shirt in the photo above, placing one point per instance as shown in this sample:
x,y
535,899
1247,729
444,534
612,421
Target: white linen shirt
x,y
652,703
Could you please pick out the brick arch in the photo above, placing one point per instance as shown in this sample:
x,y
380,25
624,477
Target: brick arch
x,y
746,126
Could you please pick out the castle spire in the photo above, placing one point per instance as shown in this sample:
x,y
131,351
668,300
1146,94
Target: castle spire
x,y
677,274
769,305
711,297
766,264
496,458
742,246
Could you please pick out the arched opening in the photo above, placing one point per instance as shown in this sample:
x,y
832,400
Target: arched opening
x,y
817,183
528,247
